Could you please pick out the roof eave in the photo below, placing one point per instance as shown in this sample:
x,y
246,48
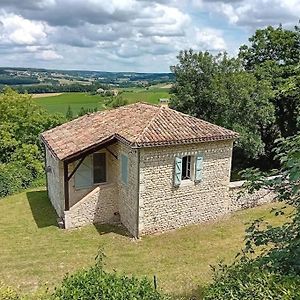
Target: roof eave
x,y
186,141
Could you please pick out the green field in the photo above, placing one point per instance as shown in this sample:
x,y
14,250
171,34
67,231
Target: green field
x,y
76,101
35,251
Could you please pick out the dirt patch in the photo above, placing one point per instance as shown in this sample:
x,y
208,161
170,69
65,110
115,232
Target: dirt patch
x,y
45,95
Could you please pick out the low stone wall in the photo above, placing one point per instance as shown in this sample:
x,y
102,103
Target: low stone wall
x,y
99,206
240,199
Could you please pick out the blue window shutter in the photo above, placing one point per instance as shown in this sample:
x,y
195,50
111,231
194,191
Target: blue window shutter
x,y
84,174
198,167
124,168
177,171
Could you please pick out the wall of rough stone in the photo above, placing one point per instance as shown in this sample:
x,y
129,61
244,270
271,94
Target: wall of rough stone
x,y
239,199
128,193
163,206
98,207
55,182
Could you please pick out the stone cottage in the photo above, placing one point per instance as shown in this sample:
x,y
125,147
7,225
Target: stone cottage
x,y
147,166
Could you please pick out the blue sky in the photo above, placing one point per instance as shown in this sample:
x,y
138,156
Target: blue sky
x,y
129,35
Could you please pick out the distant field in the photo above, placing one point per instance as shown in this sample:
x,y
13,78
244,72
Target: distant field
x,y
61,102
44,95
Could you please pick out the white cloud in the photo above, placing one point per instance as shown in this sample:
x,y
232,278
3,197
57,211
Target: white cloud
x,y
254,13
48,55
17,30
210,39
143,35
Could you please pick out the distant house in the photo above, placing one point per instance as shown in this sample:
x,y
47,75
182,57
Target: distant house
x,y
149,167
108,92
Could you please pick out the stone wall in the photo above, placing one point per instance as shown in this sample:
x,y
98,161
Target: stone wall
x,y
239,199
99,206
55,182
163,206
128,193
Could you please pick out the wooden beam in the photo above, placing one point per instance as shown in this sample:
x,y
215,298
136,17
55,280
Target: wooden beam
x,y
77,166
114,155
66,185
91,150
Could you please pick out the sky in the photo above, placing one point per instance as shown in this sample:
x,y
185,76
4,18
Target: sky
x,y
129,35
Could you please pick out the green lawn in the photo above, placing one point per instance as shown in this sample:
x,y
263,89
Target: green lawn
x,y
60,103
35,251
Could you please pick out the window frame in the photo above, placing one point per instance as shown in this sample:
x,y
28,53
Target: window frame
x,y
191,163
123,155
93,169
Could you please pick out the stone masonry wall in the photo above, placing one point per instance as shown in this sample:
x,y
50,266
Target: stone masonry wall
x,y
242,200
128,193
55,182
163,206
99,207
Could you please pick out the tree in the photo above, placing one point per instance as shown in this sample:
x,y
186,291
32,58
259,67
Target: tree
x,y
268,267
274,55
23,120
21,156
69,113
218,90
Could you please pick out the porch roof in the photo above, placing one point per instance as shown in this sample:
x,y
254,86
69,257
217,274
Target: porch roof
x,y
138,125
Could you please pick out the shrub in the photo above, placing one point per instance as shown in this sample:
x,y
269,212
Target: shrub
x,y
95,283
246,282
13,178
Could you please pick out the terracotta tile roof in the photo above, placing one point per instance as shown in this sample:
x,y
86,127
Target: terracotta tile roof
x,y
138,124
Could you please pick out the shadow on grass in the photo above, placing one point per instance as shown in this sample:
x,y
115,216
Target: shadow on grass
x,y
42,211
107,228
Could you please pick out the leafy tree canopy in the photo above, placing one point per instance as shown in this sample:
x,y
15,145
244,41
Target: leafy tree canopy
x,y
21,123
218,90
274,55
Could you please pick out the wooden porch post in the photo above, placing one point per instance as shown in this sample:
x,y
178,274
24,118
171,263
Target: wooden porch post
x,y
66,185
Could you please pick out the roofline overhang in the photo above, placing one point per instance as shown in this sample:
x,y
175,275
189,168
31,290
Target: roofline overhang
x,y
118,138
89,150
185,142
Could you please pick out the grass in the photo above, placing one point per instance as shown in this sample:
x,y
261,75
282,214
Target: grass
x,y
35,251
61,102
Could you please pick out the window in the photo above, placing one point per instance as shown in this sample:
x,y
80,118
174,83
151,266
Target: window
x,y
91,171
186,167
83,175
124,168
99,167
